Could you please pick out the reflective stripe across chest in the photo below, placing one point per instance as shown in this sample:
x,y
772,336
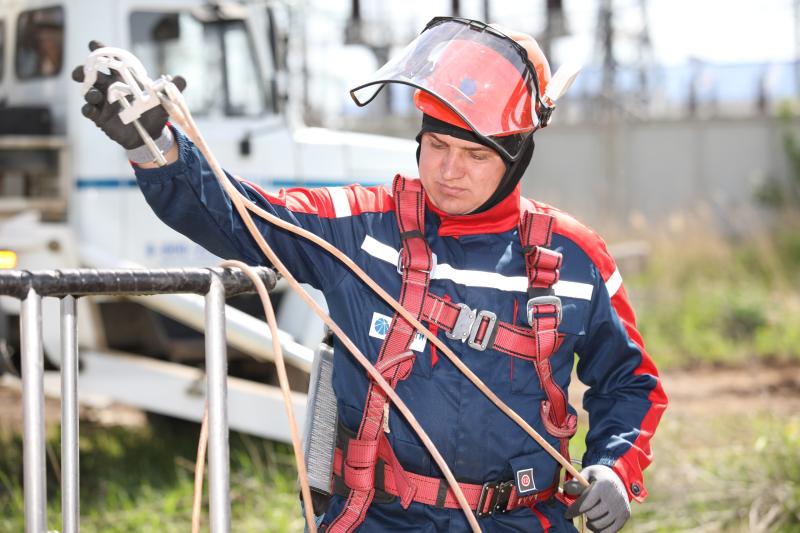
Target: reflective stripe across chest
x,y
478,278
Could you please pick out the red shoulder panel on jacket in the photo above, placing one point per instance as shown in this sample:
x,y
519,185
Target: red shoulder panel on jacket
x,y
585,237
375,199
329,202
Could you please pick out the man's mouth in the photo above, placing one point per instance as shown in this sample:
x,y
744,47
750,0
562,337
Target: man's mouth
x,y
451,191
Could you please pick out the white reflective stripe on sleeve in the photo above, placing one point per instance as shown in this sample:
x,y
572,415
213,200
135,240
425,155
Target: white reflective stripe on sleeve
x,y
573,289
341,205
478,278
614,283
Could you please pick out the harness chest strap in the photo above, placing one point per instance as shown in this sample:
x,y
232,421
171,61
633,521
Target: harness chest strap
x,y
395,360
481,329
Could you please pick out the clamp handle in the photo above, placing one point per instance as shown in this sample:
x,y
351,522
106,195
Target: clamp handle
x,y
135,91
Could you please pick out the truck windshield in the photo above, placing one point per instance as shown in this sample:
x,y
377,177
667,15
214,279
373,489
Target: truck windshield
x,y
216,58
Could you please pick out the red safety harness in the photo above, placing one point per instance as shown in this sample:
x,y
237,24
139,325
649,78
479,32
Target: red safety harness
x,y
365,462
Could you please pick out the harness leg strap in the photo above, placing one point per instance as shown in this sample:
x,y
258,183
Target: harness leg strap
x,y
359,466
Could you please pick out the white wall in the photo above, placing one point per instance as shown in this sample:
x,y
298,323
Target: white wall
x,y
639,178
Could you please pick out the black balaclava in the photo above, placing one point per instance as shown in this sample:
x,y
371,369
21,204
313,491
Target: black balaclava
x,y
514,170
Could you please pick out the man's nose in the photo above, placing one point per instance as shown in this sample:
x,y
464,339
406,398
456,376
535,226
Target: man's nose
x,y
452,166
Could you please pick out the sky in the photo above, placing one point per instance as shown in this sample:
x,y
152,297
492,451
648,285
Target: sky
x,y
721,31
736,45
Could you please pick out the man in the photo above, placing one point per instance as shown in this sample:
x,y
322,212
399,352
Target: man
x,y
514,287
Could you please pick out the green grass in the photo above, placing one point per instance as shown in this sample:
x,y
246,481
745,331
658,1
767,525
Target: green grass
x,y
724,473
141,479
737,473
712,302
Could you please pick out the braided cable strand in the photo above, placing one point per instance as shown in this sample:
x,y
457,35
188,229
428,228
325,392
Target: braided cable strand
x,y
280,363
199,470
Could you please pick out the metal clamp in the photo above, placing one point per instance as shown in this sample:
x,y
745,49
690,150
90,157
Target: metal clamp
x,y
463,325
490,330
544,300
498,503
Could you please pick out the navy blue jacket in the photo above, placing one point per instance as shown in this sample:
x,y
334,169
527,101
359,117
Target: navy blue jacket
x,y
479,262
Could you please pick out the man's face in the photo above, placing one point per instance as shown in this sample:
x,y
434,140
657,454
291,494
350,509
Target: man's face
x,y
458,176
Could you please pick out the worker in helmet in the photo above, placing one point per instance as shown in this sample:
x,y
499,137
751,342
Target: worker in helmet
x,y
514,287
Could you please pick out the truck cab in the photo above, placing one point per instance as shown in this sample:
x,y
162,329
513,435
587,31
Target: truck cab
x,y
68,197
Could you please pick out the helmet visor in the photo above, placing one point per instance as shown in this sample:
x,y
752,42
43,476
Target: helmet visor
x,y
481,75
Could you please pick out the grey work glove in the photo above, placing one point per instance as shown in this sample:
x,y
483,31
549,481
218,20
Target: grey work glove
x,y
106,116
605,501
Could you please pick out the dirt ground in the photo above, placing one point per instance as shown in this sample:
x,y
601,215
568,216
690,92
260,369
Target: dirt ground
x,y
720,391
11,410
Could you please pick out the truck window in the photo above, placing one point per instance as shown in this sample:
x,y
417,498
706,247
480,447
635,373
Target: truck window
x,y
40,43
245,92
216,58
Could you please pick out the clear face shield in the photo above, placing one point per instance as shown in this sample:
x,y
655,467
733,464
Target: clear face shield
x,y
474,71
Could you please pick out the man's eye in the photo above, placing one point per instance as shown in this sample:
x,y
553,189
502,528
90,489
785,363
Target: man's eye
x,y
437,145
478,156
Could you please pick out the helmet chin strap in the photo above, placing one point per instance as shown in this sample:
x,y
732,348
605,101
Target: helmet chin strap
x,y
509,181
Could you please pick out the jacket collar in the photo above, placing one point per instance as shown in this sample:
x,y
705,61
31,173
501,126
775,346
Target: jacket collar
x,y
502,217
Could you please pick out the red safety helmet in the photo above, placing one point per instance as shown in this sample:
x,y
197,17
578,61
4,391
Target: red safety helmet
x,y
472,76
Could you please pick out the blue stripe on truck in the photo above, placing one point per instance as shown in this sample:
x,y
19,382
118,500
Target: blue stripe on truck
x,y
127,183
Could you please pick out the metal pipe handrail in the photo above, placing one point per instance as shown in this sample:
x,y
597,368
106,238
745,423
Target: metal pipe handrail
x,y
85,282
30,287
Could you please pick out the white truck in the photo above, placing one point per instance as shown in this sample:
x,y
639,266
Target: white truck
x,y
68,197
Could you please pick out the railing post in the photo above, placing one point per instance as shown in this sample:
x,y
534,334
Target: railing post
x,y
70,469
217,373
33,459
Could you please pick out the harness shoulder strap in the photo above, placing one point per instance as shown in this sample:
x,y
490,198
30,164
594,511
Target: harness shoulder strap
x,y
395,359
544,315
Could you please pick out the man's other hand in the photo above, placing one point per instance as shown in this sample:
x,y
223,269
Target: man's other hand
x,y
605,501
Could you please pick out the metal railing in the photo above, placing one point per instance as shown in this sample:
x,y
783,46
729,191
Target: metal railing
x,y
68,285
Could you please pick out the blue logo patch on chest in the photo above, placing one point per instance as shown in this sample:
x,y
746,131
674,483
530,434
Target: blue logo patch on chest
x,y
525,483
379,328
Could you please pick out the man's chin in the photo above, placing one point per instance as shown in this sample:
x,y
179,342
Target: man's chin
x,y
452,206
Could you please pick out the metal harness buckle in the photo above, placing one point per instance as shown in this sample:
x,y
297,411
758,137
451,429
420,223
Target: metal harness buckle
x,y
498,503
544,300
489,336
463,325
401,266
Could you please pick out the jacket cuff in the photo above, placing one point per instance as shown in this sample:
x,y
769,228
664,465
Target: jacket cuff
x,y
167,172
631,475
